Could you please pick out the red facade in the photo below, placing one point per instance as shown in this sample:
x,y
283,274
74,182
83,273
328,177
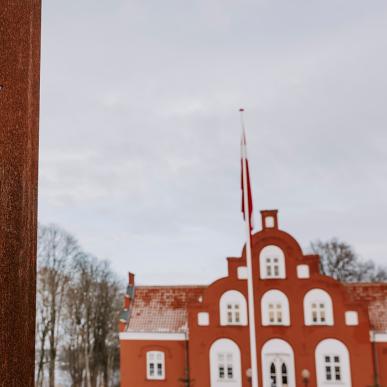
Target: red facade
x,y
305,322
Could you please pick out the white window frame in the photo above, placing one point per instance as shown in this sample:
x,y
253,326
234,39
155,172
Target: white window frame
x,y
231,351
313,300
332,347
155,360
233,307
225,367
275,308
233,313
272,263
275,313
319,313
332,364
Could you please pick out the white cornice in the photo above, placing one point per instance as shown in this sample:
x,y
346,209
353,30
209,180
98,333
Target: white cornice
x,y
158,336
378,337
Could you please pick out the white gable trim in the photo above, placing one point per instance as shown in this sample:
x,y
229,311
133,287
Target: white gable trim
x,y
159,336
378,337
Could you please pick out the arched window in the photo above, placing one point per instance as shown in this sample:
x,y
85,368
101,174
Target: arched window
x,y
332,363
278,364
233,308
272,262
155,365
318,308
225,364
275,308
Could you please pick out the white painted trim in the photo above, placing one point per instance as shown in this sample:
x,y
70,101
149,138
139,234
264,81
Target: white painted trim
x,y
378,337
242,272
303,271
203,319
153,336
351,318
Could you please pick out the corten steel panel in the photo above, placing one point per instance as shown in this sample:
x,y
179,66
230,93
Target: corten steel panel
x,y
19,117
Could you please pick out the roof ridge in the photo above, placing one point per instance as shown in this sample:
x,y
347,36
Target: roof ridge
x,y
171,286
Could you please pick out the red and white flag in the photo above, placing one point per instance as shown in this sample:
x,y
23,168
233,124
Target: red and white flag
x,y
245,180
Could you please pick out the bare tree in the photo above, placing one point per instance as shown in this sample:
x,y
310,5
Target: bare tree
x,y
56,248
78,302
93,303
339,260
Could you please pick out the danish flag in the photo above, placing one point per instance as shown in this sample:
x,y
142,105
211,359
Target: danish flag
x,y
245,180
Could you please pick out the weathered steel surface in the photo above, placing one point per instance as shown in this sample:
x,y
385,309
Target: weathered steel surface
x,y
19,108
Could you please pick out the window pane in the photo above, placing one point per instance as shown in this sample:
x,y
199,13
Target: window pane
x,y
151,369
337,373
221,372
328,373
229,372
159,369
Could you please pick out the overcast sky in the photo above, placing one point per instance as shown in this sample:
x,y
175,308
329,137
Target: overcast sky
x,y
140,132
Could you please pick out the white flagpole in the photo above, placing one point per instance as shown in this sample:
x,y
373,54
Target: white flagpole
x,y
250,289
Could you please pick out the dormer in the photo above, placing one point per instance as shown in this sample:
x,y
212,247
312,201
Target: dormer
x,y
269,219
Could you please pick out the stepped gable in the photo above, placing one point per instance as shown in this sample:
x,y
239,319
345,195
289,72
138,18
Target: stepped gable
x,y
162,308
375,296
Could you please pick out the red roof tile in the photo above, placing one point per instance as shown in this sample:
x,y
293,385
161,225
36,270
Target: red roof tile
x,y
162,308
375,296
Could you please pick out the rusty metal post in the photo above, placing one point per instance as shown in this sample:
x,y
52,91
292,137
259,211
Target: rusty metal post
x,y
19,119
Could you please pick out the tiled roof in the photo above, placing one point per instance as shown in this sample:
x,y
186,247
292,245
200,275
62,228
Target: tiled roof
x,y
162,308
375,296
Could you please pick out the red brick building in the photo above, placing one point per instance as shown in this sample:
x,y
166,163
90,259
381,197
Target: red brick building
x,y
306,324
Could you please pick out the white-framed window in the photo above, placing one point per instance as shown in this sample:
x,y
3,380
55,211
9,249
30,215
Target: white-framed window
x,y
275,308
233,313
272,267
225,364
318,313
155,365
318,308
275,313
272,262
332,368
332,364
233,308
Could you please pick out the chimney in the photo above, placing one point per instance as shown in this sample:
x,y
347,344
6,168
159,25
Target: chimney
x,y
269,219
129,291
131,279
